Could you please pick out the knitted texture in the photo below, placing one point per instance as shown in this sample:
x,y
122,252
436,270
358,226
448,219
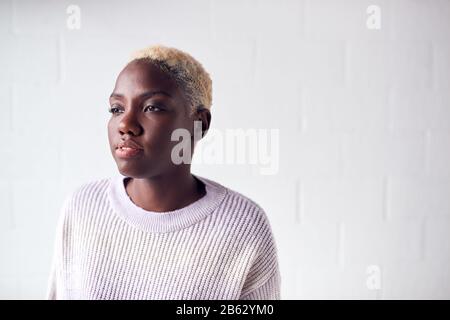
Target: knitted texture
x,y
218,247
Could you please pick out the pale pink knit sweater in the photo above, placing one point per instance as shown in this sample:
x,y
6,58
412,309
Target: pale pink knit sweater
x,y
106,247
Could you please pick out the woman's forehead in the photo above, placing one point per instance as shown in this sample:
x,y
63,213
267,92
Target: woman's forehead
x,y
145,75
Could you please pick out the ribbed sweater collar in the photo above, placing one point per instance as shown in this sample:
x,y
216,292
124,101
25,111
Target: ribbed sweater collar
x,y
152,221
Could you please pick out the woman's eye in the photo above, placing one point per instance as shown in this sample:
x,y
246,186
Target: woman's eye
x,y
153,108
113,110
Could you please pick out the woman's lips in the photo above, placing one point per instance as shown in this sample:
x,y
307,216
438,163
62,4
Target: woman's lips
x,y
128,153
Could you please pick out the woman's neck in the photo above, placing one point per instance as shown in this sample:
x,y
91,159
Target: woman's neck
x,y
165,192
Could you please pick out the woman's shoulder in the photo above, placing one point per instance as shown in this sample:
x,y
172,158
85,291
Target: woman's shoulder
x,y
250,203
88,191
241,204
91,187
249,215
79,200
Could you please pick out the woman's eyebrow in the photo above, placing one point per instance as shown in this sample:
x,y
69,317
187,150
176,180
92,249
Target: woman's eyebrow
x,y
147,94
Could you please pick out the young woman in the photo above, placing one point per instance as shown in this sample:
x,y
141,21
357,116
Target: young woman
x,y
157,231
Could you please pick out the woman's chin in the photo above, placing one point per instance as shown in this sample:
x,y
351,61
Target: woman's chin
x,y
128,170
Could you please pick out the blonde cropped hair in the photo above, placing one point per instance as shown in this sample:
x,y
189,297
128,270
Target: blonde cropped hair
x,y
188,73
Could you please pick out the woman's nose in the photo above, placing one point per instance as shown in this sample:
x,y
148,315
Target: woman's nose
x,y
129,124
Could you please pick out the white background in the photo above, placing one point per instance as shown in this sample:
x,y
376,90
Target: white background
x,y
364,120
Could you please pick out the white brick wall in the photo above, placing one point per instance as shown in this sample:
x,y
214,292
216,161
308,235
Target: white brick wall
x,y
364,120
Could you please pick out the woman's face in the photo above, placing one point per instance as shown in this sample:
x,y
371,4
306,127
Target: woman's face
x,y
146,106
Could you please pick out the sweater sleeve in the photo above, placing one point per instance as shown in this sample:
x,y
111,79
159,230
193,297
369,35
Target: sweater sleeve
x,y
58,246
269,290
51,287
263,281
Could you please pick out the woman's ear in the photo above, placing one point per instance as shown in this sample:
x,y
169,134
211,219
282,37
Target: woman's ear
x,y
202,114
